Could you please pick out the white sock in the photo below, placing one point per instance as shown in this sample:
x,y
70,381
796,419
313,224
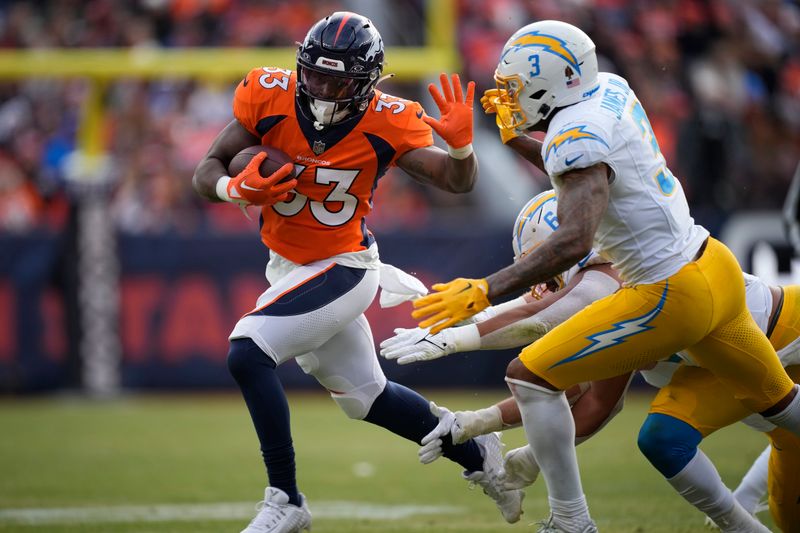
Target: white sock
x,y
789,418
753,486
700,484
550,429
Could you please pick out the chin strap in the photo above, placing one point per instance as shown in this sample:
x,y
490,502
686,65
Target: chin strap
x,y
384,77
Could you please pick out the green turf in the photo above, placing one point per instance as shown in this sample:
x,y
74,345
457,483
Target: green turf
x,y
61,452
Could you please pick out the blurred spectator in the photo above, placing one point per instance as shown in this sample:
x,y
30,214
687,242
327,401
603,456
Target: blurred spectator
x,y
720,79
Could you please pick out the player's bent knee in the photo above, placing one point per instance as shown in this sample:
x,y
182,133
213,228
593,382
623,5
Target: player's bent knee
x,y
668,443
517,371
357,403
243,354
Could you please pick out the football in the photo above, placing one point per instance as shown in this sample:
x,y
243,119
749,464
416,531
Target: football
x,y
275,160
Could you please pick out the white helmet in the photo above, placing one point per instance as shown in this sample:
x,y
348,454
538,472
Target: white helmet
x,y
535,223
544,65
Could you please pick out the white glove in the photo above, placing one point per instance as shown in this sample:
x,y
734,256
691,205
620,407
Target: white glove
x,y
412,345
461,425
520,468
432,442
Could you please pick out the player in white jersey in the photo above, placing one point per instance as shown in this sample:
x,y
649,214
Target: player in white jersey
x,y
525,319
683,289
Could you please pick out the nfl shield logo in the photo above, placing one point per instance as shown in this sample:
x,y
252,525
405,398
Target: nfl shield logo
x,y
318,147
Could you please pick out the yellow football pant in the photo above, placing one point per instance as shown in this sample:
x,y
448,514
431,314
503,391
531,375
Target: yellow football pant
x,y
695,396
701,307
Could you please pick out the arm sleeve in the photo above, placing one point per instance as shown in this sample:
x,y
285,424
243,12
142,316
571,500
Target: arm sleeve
x,y
593,286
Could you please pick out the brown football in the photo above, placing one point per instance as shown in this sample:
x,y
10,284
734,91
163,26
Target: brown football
x,y
275,160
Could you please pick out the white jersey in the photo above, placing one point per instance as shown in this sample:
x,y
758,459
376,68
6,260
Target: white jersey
x,y
646,231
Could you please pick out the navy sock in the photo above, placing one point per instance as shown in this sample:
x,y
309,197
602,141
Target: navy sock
x,y
254,371
406,413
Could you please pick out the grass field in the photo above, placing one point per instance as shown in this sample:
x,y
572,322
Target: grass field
x,y
191,464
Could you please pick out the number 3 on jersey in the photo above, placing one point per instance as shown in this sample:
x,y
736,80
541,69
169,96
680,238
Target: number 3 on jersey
x,y
663,178
342,180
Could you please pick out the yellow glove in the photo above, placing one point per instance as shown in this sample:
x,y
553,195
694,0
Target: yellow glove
x,y
491,104
451,303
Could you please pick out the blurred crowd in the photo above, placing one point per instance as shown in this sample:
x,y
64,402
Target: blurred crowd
x,y
720,80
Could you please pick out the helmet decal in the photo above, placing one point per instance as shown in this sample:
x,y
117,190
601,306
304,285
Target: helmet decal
x,y
548,43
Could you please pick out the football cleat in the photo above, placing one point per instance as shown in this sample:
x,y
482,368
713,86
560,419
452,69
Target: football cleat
x,y
490,478
277,515
549,526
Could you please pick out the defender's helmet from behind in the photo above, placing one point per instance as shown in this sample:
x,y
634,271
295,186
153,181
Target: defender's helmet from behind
x,y
544,65
536,222
338,65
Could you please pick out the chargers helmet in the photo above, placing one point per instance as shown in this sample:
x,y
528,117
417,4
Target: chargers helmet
x,y
544,65
536,222
338,65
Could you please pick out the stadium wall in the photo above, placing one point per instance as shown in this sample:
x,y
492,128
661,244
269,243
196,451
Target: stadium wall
x,y
180,296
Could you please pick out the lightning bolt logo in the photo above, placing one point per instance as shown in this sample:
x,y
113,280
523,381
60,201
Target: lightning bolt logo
x,y
618,332
548,43
570,135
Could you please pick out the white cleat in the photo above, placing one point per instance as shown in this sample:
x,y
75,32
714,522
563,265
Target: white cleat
x,y
549,526
277,515
490,479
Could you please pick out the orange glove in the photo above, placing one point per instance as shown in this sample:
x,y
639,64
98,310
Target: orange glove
x,y
455,125
491,102
451,303
249,187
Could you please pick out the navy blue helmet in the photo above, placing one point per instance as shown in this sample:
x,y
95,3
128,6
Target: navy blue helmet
x,y
338,65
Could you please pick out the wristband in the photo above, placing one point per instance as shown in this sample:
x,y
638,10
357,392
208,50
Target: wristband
x,y
460,153
222,188
466,338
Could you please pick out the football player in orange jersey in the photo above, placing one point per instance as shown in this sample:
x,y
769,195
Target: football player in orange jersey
x,y
324,271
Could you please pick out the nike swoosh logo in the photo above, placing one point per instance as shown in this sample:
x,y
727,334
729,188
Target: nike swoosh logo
x,y
249,188
468,287
569,162
419,114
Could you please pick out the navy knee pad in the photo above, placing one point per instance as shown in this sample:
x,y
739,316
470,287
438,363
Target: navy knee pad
x,y
668,443
243,355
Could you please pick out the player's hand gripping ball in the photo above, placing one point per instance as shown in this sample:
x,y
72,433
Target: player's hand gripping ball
x,y
262,175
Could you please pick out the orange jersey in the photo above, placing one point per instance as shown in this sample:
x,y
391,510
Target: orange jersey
x,y
337,168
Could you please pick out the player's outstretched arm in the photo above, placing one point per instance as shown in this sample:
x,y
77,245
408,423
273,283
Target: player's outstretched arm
x,y
583,198
456,169
596,404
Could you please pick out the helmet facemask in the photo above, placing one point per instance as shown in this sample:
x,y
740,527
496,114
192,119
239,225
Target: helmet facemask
x,y
513,91
334,96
